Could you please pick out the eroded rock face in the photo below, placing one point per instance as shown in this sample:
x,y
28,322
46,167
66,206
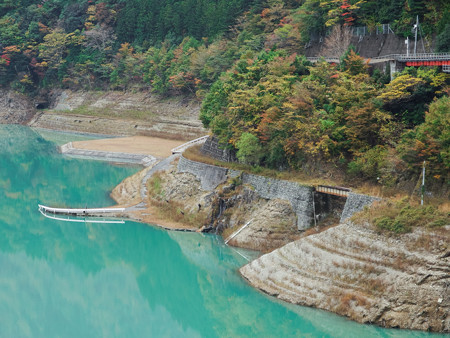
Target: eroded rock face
x,y
272,225
354,271
15,108
128,192
186,189
273,222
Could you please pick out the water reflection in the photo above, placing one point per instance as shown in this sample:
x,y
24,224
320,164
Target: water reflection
x,y
115,280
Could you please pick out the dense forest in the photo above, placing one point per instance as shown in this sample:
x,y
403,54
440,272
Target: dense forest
x,y
243,60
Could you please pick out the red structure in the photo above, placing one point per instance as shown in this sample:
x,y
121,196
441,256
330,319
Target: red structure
x,y
427,63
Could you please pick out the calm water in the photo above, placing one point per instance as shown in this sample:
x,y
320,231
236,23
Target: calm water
x,y
60,279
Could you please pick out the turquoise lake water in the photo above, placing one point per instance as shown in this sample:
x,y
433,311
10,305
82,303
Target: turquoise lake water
x,y
61,279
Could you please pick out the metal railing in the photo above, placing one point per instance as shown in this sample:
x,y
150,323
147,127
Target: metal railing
x,y
327,59
186,145
424,57
69,211
418,56
392,57
378,30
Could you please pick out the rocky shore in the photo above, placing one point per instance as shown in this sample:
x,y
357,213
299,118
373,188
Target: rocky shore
x,y
15,108
399,282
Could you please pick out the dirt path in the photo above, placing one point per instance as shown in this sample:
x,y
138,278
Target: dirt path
x,y
157,147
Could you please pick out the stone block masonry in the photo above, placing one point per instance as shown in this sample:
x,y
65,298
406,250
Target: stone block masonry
x,y
300,197
210,176
212,149
356,203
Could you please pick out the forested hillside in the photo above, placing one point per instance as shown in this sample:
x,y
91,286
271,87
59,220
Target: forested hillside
x,y
243,60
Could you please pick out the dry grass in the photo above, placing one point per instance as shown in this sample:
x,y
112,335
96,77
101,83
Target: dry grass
x,y
133,114
398,217
174,211
317,230
444,207
352,297
435,240
373,285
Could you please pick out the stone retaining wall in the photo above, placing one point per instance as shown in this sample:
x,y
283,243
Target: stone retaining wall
x,y
210,176
300,197
355,203
213,149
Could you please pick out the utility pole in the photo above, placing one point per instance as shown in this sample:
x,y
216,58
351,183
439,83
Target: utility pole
x,y
407,46
416,28
423,183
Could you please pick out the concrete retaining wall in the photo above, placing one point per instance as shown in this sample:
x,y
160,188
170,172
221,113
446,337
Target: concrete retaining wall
x,y
370,46
355,203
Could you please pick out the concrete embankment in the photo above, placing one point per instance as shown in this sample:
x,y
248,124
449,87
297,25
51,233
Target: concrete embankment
x,y
108,113
121,113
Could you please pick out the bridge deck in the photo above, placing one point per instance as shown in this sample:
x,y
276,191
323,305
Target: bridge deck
x,y
393,57
336,191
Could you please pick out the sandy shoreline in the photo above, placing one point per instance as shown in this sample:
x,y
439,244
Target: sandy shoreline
x,y
131,186
154,146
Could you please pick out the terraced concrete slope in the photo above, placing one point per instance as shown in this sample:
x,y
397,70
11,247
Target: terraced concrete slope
x,y
122,113
354,271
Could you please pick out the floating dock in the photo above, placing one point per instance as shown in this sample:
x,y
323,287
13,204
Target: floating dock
x,y
81,212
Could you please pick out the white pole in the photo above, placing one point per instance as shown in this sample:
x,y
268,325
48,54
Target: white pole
x,y
416,28
314,209
407,46
237,232
423,182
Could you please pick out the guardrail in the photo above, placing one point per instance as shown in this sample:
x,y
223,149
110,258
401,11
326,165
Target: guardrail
x,y
418,56
392,57
183,147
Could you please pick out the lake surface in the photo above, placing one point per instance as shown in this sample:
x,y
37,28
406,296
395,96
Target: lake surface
x,y
61,279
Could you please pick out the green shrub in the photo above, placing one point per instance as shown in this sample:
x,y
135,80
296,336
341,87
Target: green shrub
x,y
394,225
155,186
249,149
401,217
370,163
